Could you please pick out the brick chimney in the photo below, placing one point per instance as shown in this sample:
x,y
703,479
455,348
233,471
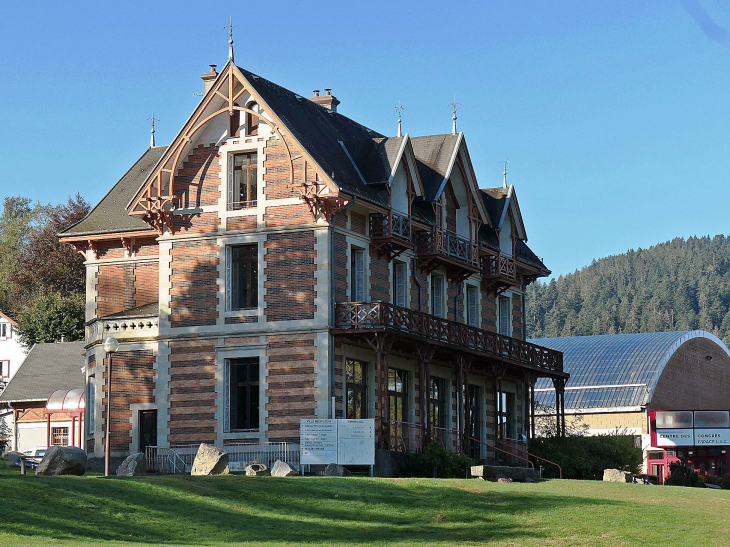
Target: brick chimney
x,y
208,78
329,101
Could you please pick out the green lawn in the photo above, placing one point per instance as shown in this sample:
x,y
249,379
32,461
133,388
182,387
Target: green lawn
x,y
237,510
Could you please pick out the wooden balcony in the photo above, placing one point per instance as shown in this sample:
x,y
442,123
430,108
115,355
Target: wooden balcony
x,y
364,317
390,234
498,272
459,254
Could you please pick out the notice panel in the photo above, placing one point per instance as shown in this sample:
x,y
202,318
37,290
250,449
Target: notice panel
x,y
356,442
318,441
712,437
675,437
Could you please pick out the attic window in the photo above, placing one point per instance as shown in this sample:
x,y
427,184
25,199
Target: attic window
x,y
252,122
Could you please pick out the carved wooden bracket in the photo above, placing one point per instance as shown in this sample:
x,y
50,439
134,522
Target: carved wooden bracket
x,y
318,204
155,214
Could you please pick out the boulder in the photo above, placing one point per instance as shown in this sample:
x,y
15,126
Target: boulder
x,y
257,470
615,475
334,470
134,464
494,472
504,479
62,460
283,469
715,486
210,460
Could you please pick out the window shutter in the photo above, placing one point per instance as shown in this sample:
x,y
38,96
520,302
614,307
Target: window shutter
x,y
400,284
359,289
472,298
504,315
438,295
227,397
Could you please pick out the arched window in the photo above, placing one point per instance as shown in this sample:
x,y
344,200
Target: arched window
x,y
252,121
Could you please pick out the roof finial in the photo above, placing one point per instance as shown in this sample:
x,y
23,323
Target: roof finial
x,y
152,133
454,104
504,184
399,108
230,28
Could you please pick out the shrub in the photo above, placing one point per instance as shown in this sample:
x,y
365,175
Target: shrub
x,y
448,464
586,457
682,474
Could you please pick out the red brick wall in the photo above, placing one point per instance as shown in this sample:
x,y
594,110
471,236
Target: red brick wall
x,y
278,182
194,293
451,291
125,286
197,182
423,280
146,247
516,316
291,392
192,392
290,282
288,215
247,222
489,312
132,382
198,223
379,279
358,223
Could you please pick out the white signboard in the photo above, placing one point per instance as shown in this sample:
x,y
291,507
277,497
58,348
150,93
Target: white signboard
x,y
318,441
675,437
356,442
712,437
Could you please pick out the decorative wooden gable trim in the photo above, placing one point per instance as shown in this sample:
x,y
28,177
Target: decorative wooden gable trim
x,y
154,201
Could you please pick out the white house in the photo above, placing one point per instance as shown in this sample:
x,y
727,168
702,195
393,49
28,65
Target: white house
x,y
12,356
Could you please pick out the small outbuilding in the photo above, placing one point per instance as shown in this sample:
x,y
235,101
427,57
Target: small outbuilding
x,y
47,397
669,389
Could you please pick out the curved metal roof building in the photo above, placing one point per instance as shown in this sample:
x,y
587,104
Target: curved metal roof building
x,y
630,371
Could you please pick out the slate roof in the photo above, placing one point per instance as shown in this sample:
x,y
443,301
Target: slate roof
x,y
494,201
110,214
46,368
614,370
433,154
375,158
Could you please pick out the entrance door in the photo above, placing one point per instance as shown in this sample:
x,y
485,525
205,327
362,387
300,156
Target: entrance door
x,y
147,429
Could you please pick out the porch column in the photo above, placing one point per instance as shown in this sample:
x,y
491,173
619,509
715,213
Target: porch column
x,y
499,371
530,379
463,361
425,355
381,344
559,385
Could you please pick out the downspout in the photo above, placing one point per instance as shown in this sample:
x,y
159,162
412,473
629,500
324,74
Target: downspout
x,y
333,301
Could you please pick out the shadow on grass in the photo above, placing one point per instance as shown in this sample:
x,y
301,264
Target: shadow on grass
x,y
234,509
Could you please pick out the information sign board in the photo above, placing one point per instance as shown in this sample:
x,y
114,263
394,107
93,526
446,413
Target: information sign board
x,y
318,441
675,437
356,442
712,437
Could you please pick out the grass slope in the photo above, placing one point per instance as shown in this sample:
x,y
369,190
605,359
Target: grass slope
x,y
236,510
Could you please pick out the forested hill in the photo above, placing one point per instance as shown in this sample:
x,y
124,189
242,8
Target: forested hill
x,y
677,285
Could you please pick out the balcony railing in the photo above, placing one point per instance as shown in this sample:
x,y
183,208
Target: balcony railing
x,y
393,224
498,266
450,244
382,315
123,328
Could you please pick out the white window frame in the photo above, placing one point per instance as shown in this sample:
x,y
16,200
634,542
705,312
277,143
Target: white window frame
x,y
400,278
230,158
438,305
472,308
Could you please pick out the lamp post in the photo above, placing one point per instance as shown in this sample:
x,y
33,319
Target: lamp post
x,y
110,346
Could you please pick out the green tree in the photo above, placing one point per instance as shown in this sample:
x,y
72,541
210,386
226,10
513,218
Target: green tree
x,y
52,318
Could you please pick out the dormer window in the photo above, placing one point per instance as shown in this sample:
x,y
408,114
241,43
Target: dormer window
x,y
242,174
252,121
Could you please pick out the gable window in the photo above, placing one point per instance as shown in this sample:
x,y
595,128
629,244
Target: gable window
x,y
242,176
91,390
252,122
355,389
472,306
59,436
243,278
5,330
437,298
437,402
242,394
504,327
399,283
357,271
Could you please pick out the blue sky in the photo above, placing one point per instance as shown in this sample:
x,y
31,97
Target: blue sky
x,y
615,114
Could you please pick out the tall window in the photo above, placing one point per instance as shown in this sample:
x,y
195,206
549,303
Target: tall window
x,y
399,283
242,181
5,330
397,390
59,436
357,270
243,394
91,391
506,415
437,402
356,392
252,122
504,314
243,279
437,298
472,306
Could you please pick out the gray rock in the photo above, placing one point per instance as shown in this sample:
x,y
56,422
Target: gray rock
x,y
210,460
615,475
334,470
493,472
62,460
283,469
504,479
257,470
715,486
134,464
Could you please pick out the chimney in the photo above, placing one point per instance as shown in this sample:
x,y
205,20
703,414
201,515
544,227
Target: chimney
x,y
208,78
329,101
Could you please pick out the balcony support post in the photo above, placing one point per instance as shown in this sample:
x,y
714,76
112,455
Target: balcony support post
x,y
425,354
559,384
381,344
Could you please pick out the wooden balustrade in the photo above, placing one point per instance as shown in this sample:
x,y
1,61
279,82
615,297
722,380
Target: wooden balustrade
x,y
392,224
383,315
449,244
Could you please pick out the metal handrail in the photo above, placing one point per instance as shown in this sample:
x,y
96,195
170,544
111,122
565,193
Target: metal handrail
x,y
560,469
503,451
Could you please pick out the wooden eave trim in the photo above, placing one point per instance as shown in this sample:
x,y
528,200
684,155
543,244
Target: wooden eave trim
x,y
8,318
114,235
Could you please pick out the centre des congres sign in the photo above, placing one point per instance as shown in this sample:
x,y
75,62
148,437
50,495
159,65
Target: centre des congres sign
x,y
698,428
